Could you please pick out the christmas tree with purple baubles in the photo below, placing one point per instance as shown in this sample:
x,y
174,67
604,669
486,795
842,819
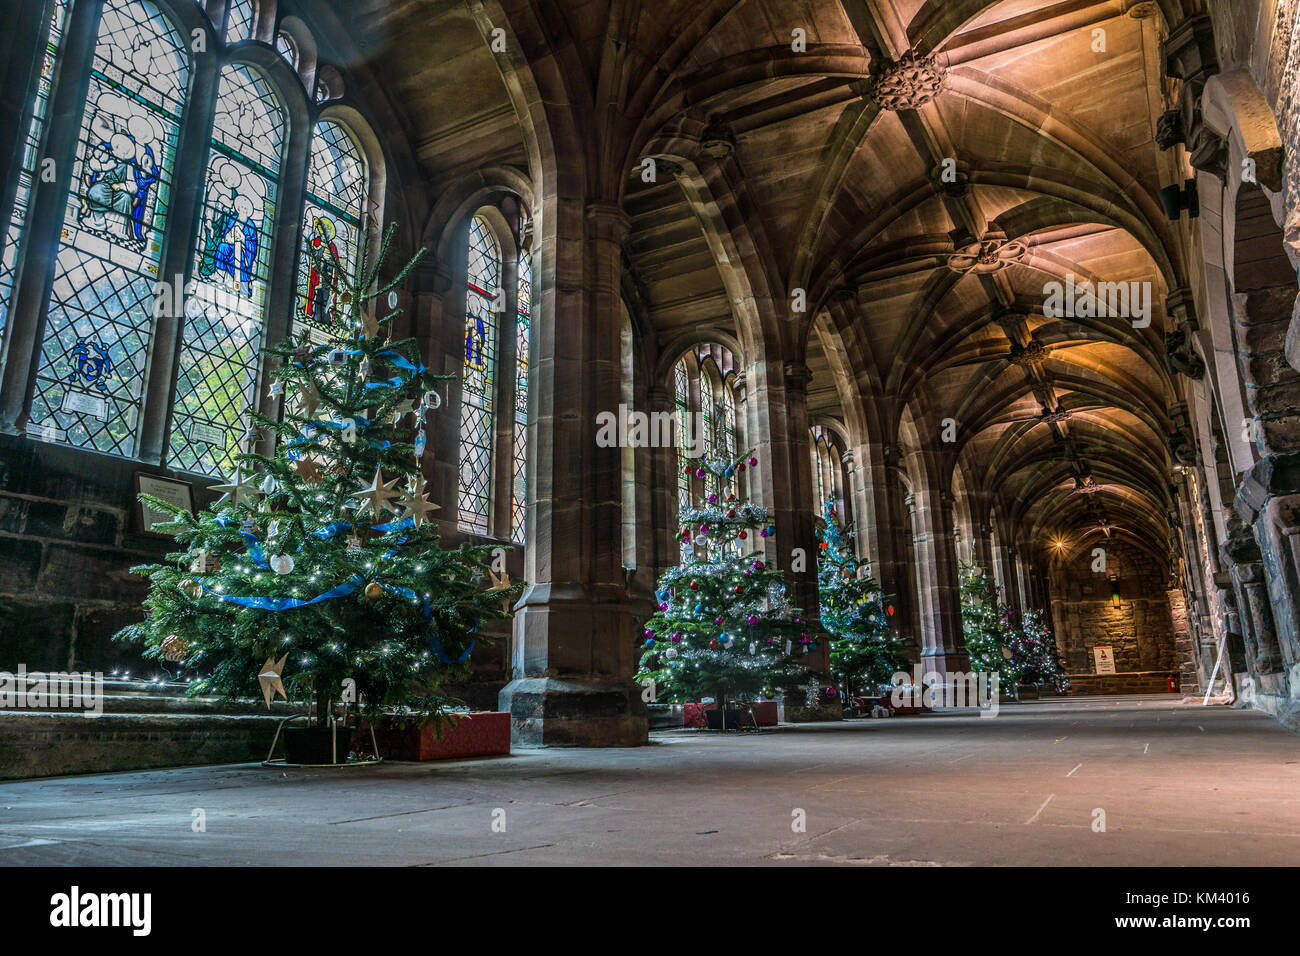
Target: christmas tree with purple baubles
x,y
996,643
863,652
725,628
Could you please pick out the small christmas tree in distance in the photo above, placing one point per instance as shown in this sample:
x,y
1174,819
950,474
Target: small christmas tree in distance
x,y
320,562
853,611
1023,652
724,628
986,629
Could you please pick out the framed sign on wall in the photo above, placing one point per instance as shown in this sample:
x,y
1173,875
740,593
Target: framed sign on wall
x,y
179,493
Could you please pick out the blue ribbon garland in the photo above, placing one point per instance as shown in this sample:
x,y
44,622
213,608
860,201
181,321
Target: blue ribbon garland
x,y
343,590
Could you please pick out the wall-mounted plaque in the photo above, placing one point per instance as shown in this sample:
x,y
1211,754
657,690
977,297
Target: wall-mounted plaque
x,y
179,493
1104,659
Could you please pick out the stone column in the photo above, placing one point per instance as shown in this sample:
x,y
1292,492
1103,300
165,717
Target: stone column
x,y
942,646
574,651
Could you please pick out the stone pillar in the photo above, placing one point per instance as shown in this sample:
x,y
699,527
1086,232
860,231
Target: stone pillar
x,y
1184,643
942,646
796,524
574,651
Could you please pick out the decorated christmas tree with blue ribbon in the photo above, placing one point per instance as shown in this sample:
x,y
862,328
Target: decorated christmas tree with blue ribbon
x,y
320,564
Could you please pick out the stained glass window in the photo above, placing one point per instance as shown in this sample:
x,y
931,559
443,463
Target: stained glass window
x,y
27,171
337,184
681,388
239,26
225,301
482,289
90,376
287,49
522,318
729,450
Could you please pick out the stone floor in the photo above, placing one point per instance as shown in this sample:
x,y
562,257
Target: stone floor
x,y
1179,785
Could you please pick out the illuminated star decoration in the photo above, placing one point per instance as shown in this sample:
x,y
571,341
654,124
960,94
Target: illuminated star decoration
x,y
416,503
239,487
379,495
269,678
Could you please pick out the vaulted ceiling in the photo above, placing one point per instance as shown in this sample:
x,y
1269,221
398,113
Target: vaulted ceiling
x,y
926,290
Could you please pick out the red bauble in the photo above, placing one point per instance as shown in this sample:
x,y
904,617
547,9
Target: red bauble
x,y
687,470
738,589
695,585
742,534
731,512
713,645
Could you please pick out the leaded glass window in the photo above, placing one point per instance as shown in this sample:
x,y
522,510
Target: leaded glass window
x,y
681,389
287,49
729,449
239,26
482,290
90,375
332,224
31,157
225,300
523,316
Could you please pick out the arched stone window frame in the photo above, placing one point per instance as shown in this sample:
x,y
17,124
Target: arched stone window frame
x,y
32,278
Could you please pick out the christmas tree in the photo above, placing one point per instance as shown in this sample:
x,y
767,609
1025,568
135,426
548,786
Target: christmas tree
x,y
319,565
997,644
725,628
853,612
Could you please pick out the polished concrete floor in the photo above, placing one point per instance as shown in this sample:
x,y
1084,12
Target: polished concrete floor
x,y
1178,785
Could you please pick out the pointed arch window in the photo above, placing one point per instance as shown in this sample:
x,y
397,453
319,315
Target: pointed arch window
x,y
332,224
91,372
483,288
523,319
225,304
682,394
27,171
239,25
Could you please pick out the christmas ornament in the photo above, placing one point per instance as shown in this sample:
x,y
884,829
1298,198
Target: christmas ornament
x,y
308,469
338,358
354,544
419,443
379,495
174,649
205,562
277,389
191,587
282,564
374,590
269,678
309,398
364,367
415,502
238,487
369,324
670,653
